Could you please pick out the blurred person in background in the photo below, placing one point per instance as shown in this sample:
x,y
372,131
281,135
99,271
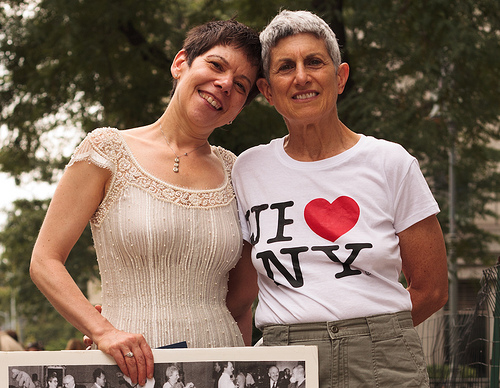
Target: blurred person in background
x,y
9,344
75,344
35,346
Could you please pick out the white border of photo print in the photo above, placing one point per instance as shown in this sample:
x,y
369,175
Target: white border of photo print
x,y
200,367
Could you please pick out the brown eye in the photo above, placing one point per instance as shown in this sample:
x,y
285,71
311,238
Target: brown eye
x,y
241,86
285,67
315,62
216,65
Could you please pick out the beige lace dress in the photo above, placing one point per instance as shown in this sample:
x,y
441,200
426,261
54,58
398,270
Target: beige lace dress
x,y
164,252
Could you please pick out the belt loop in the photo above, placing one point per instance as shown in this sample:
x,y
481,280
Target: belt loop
x,y
276,335
383,327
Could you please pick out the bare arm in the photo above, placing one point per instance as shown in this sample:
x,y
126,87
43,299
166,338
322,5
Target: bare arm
x,y
242,291
425,267
77,196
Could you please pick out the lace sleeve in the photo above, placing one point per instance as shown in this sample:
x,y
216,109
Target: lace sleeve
x,y
228,159
95,149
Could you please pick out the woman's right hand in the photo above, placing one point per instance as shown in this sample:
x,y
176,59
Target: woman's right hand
x,y
131,353
117,345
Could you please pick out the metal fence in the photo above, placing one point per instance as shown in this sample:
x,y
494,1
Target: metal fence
x,y
464,350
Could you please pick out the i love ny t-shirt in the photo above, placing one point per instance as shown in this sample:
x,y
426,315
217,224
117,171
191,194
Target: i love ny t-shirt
x,y
324,233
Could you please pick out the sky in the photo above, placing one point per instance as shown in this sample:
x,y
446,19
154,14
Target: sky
x,y
9,192
59,141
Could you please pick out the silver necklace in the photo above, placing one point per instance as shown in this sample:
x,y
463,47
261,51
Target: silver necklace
x,y
177,157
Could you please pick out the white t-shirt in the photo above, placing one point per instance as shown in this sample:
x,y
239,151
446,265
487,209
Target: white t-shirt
x,y
324,233
225,381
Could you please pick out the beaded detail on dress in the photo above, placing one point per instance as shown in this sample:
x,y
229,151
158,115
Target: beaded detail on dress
x,y
164,252
106,148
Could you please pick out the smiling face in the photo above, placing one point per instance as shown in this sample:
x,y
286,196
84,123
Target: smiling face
x,y
213,90
303,82
274,373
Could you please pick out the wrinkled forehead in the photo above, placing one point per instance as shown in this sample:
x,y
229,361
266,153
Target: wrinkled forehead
x,y
296,43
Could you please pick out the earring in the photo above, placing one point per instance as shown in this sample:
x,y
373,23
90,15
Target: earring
x,y
230,122
176,76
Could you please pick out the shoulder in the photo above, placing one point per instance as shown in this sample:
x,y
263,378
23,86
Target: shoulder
x,y
261,149
102,146
104,136
385,148
107,142
256,155
99,139
385,155
228,158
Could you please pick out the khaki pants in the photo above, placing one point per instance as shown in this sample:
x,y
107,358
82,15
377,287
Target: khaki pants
x,y
379,351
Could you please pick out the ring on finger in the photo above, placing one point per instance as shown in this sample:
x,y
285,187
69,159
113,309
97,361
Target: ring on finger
x,y
129,354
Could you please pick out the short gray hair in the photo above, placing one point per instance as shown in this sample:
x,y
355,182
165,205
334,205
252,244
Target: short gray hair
x,y
289,23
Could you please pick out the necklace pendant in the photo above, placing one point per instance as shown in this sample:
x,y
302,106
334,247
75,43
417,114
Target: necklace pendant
x,y
177,157
176,165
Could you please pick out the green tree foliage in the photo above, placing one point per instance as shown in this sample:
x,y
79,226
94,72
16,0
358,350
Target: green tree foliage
x,y
18,238
96,63
81,65
90,63
425,74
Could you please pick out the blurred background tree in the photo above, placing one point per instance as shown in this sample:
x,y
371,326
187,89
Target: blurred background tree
x,y
41,321
426,75
417,69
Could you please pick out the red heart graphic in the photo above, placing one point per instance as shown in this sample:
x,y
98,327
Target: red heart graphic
x,y
331,220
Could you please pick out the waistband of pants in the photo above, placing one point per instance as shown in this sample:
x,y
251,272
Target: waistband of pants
x,y
379,327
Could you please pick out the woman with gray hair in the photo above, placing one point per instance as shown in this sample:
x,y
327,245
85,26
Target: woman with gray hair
x,y
332,217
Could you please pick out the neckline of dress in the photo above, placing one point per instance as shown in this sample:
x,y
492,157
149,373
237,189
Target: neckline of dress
x,y
177,187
